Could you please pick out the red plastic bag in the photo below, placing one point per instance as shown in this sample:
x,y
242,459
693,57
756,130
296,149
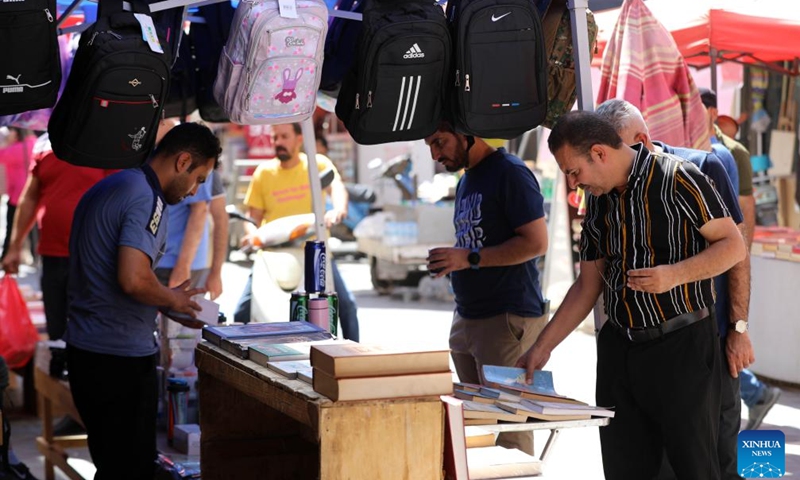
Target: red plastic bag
x,y
18,336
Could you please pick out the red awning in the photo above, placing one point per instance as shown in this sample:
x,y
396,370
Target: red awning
x,y
744,30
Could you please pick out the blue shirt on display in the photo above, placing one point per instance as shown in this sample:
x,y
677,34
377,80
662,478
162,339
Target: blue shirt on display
x,y
178,218
125,209
493,199
714,168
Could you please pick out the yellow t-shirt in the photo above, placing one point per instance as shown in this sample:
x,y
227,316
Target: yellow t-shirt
x,y
281,192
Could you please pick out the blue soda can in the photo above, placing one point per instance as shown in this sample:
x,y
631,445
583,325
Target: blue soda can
x,y
315,266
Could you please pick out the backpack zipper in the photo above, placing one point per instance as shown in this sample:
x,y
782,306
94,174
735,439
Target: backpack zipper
x,y
369,99
95,34
458,80
358,107
49,15
466,86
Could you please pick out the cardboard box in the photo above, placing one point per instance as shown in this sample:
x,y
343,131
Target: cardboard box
x,y
434,221
186,438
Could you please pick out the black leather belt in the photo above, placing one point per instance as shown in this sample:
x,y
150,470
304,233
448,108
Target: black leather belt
x,y
645,334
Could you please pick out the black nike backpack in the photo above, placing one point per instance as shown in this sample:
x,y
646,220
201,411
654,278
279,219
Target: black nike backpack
x,y
395,90
30,64
500,84
108,115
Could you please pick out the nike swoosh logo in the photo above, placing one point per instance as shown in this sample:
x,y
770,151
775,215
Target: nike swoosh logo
x,y
494,19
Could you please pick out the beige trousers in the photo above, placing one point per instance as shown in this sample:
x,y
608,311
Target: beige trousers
x,y
497,340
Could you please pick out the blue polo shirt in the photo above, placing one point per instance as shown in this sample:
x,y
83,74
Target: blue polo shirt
x,y
717,170
178,218
125,209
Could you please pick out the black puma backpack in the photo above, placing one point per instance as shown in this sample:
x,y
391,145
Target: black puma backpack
x,y
108,115
396,88
30,64
500,84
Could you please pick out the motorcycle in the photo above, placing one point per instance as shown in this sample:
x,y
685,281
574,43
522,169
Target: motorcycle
x,y
278,257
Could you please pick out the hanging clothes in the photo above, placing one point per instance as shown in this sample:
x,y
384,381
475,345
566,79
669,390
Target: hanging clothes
x,y
642,64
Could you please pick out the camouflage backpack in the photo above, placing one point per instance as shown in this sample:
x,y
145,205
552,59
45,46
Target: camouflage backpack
x,y
561,83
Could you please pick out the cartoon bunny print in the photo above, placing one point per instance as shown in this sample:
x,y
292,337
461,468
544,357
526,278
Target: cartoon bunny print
x,y
287,94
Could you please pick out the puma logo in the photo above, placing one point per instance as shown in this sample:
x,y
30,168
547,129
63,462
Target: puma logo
x,y
16,79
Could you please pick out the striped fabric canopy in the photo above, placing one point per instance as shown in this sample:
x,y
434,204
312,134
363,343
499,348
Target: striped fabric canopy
x,y
642,64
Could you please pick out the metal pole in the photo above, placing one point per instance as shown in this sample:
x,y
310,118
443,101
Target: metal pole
x,y
713,66
317,205
580,51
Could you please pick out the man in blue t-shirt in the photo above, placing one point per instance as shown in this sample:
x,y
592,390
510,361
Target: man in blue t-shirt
x,y
500,230
118,236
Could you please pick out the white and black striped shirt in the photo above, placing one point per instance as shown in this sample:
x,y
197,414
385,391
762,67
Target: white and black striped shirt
x,y
654,221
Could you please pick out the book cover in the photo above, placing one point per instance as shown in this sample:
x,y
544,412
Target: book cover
x,y
522,410
498,394
215,334
263,353
306,375
359,360
475,397
455,444
373,388
241,346
289,369
467,387
514,378
473,410
499,462
560,408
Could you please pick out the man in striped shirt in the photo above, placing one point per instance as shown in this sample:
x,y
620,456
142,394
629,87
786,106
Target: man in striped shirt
x,y
656,231
732,289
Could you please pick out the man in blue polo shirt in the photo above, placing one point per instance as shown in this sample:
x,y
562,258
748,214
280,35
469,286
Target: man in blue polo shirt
x,y
118,235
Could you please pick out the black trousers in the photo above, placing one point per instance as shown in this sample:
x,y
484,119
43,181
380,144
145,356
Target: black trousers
x,y
117,400
667,397
55,277
730,421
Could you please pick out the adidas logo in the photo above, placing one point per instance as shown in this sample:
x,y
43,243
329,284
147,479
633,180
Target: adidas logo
x,y
414,52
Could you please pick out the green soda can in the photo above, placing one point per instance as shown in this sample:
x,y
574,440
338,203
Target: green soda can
x,y
298,307
333,311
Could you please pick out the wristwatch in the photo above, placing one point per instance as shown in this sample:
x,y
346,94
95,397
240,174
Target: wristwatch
x,y
740,326
474,258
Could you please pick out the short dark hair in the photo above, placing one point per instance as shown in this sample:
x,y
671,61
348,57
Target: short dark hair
x,y
581,130
321,139
298,129
195,138
708,97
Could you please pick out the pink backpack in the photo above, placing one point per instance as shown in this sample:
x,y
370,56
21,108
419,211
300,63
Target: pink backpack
x,y
270,68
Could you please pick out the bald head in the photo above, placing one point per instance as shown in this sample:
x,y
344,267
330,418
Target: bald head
x,y
728,125
627,120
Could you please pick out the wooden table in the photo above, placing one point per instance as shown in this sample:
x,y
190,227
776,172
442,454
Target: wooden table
x,y
56,394
258,424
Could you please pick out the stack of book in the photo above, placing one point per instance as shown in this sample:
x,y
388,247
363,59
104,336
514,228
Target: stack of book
x,y
776,242
238,339
366,372
510,399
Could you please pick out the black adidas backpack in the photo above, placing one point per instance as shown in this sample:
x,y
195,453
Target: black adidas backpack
x,y
30,64
396,88
108,115
500,84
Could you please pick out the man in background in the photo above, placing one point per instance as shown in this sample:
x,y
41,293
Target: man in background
x,y
500,230
758,396
281,188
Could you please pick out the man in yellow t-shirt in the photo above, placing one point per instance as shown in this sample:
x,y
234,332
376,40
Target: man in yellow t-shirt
x,y
280,188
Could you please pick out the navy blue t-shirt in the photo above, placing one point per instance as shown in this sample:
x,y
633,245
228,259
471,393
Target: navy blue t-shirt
x,y
125,209
713,167
493,199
